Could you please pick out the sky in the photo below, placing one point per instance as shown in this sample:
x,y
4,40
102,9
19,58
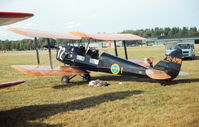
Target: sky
x,y
92,16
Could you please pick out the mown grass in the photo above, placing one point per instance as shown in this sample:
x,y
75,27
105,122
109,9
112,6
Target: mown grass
x,y
43,101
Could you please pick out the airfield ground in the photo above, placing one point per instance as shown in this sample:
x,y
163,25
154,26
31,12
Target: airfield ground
x,y
43,101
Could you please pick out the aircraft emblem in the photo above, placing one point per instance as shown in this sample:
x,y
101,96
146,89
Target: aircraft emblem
x,y
115,68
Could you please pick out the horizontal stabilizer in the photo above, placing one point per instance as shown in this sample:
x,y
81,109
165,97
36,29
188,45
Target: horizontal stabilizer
x,y
7,84
183,73
156,74
43,34
41,70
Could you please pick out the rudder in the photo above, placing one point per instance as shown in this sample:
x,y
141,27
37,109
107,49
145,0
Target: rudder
x,y
171,64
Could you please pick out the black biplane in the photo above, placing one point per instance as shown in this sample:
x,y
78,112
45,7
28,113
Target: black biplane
x,y
82,60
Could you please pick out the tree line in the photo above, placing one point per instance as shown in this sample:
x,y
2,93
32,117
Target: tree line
x,y
29,44
166,32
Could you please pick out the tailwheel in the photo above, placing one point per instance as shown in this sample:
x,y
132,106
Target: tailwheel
x,y
87,77
165,82
65,79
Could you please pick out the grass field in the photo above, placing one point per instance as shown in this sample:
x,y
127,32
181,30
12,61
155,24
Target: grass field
x,y
43,101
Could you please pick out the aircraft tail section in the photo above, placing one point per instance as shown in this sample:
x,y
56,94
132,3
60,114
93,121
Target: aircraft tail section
x,y
171,65
168,68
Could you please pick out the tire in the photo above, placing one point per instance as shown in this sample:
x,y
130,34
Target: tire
x,y
87,77
65,80
165,82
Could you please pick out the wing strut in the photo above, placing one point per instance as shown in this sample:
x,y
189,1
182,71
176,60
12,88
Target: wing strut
x,y
116,54
50,54
88,45
37,51
125,51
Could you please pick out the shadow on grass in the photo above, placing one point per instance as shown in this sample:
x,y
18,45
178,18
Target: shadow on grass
x,y
179,81
196,57
61,86
128,78
122,78
189,59
22,116
182,81
106,78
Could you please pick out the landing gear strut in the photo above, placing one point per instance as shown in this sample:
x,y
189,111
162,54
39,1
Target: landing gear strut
x,y
66,78
86,77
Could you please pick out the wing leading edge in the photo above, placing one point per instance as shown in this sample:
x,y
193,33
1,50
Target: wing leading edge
x,y
43,34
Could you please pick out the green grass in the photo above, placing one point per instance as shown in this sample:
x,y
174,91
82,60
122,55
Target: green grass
x,y
43,101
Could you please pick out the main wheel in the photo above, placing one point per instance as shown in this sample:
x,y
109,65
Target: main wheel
x,y
87,77
65,80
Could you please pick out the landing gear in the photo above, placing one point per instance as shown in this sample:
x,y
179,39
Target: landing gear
x,y
165,82
66,78
87,77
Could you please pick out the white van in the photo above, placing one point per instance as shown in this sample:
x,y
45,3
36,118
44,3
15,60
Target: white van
x,y
188,49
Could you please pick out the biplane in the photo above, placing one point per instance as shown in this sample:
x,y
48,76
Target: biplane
x,y
82,60
7,18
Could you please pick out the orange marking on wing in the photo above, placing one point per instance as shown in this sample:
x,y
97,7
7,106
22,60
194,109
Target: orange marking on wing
x,y
79,34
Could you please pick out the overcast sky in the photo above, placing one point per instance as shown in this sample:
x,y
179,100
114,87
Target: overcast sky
x,y
91,16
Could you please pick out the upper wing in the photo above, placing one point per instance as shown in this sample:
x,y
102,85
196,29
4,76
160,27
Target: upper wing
x,y
12,17
39,70
117,37
7,84
108,36
43,34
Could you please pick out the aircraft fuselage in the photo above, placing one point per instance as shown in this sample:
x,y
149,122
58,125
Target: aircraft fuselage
x,y
91,61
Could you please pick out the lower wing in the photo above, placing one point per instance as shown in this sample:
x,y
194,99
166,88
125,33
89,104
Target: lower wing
x,y
40,70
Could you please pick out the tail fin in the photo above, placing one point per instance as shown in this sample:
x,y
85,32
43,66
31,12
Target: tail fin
x,y
171,64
